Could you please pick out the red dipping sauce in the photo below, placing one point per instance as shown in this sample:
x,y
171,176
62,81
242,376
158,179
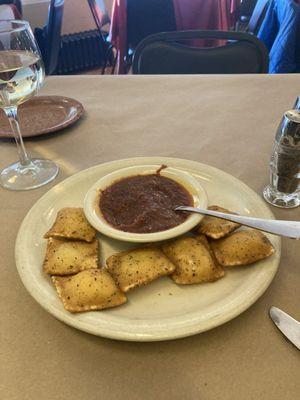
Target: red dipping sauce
x,y
144,203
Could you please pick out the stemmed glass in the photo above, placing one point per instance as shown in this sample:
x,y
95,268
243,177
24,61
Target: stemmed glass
x,y
21,76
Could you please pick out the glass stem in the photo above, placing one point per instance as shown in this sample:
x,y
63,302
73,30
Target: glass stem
x,y
12,115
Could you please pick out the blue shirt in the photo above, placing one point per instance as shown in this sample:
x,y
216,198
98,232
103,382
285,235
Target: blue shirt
x,y
280,31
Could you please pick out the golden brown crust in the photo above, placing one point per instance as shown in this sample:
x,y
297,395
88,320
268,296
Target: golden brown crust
x,y
66,257
193,260
216,228
88,290
219,271
242,248
71,223
138,267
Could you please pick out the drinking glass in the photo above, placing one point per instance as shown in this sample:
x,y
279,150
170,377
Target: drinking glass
x,y
21,76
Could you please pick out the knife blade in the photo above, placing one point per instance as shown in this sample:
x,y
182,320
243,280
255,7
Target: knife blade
x,y
289,326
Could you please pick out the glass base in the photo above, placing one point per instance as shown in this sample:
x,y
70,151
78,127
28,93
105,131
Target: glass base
x,y
36,174
279,199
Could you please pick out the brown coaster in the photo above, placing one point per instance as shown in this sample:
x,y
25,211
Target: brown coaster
x,y
43,114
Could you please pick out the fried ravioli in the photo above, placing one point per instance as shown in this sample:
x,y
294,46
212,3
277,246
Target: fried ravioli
x,y
138,267
71,223
216,228
65,257
242,248
194,261
89,290
205,242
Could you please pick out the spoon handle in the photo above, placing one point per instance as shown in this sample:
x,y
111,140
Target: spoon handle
x,y
290,229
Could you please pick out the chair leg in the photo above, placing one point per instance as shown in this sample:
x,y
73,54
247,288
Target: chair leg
x,y
111,57
114,65
104,65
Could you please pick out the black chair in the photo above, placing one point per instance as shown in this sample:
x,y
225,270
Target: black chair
x,y
147,17
101,18
251,15
245,10
49,37
144,18
162,54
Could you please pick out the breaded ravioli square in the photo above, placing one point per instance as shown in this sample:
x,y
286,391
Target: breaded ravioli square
x,y
205,242
92,289
138,267
71,223
193,260
242,248
66,257
216,228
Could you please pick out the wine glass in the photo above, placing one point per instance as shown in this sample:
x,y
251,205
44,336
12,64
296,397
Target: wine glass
x,y
21,76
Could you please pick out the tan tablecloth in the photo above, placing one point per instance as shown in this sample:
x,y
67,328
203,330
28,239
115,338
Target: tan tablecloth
x,y
227,122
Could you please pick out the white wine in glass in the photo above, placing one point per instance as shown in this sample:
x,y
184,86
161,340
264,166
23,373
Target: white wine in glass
x,y
21,76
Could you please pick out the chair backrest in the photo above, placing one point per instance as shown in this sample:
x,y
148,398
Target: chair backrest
x,y
162,54
146,17
246,7
99,12
257,16
52,33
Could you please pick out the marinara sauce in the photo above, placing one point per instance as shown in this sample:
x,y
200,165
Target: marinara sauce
x,y
144,203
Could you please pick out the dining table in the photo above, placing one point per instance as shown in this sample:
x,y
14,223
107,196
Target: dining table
x,y
225,121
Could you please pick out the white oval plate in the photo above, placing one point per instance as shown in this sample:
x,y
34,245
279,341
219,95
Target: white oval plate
x,y
161,310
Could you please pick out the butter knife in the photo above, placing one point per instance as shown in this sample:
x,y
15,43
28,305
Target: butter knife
x,y
287,325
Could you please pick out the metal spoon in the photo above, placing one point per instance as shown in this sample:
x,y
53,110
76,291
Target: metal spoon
x,y
290,229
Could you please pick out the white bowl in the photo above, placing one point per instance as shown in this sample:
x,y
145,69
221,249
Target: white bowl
x,y
96,219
